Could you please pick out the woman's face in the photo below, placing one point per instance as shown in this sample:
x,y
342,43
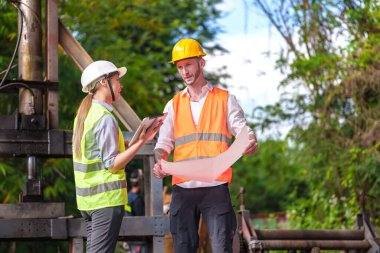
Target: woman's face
x,y
116,86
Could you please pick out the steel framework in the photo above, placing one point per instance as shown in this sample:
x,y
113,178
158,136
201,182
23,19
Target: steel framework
x,y
32,131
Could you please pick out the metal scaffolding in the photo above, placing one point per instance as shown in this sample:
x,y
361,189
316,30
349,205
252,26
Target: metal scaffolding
x,y
32,132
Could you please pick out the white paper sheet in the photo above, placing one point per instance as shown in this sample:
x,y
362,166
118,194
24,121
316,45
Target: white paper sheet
x,y
208,169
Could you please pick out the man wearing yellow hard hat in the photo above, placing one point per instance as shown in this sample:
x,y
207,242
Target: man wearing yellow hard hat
x,y
201,121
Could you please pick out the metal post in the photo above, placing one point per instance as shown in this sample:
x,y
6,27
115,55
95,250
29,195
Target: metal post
x,y
30,55
152,189
76,245
30,62
32,168
153,200
51,46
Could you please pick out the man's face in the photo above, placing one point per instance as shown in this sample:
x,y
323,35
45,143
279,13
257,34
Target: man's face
x,y
189,70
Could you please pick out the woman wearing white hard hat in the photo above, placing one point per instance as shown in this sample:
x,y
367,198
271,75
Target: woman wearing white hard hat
x,y
99,156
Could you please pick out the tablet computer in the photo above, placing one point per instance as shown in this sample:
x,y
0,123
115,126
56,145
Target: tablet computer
x,y
147,122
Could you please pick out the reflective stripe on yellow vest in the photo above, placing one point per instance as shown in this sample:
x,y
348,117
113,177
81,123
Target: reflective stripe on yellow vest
x,y
209,138
96,187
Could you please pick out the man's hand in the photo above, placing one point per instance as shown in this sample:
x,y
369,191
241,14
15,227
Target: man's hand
x,y
252,147
157,170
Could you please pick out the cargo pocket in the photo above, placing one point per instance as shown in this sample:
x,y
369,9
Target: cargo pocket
x,y
227,219
173,212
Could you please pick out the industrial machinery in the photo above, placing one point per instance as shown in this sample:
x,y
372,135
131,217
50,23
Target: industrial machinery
x,y
32,132
247,239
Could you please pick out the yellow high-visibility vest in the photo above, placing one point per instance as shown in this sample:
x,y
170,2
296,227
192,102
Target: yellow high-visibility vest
x,y
95,186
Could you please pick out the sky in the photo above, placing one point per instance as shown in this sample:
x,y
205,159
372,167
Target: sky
x,y
248,38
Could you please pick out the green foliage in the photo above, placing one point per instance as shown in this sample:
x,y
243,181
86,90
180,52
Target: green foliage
x,y
272,179
140,35
12,186
8,33
331,60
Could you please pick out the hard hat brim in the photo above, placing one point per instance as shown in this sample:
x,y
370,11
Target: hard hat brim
x,y
174,61
122,71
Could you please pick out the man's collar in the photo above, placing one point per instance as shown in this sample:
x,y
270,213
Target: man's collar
x,y
207,87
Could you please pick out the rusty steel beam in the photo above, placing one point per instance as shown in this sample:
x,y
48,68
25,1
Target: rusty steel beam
x,y
51,48
32,210
81,58
309,244
30,55
64,228
284,234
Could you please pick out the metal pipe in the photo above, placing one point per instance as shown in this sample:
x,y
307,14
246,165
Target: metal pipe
x,y
284,234
321,244
32,170
30,55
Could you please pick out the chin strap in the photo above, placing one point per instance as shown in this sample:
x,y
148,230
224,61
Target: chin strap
x,y
112,93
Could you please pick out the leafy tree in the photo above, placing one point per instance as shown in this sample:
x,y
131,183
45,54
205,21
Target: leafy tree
x,y
331,58
140,35
272,179
8,36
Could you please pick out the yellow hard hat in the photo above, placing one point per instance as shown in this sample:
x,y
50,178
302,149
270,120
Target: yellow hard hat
x,y
186,48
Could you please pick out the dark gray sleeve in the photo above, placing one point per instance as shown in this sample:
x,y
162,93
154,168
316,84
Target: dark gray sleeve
x,y
106,134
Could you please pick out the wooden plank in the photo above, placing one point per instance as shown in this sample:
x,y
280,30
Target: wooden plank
x,y
81,58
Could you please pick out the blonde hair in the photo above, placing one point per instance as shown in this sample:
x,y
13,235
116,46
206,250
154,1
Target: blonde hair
x,y
79,126
82,112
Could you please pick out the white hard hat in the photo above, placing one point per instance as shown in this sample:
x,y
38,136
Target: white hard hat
x,y
96,70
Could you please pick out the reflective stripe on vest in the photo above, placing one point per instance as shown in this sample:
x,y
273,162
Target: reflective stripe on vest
x,y
96,187
89,167
209,138
202,137
101,188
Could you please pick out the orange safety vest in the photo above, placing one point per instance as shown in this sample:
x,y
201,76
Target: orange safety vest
x,y
209,138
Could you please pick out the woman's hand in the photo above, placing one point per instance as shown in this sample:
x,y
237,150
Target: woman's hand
x,y
148,134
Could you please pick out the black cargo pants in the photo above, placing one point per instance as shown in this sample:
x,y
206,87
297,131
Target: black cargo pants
x,y
214,204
